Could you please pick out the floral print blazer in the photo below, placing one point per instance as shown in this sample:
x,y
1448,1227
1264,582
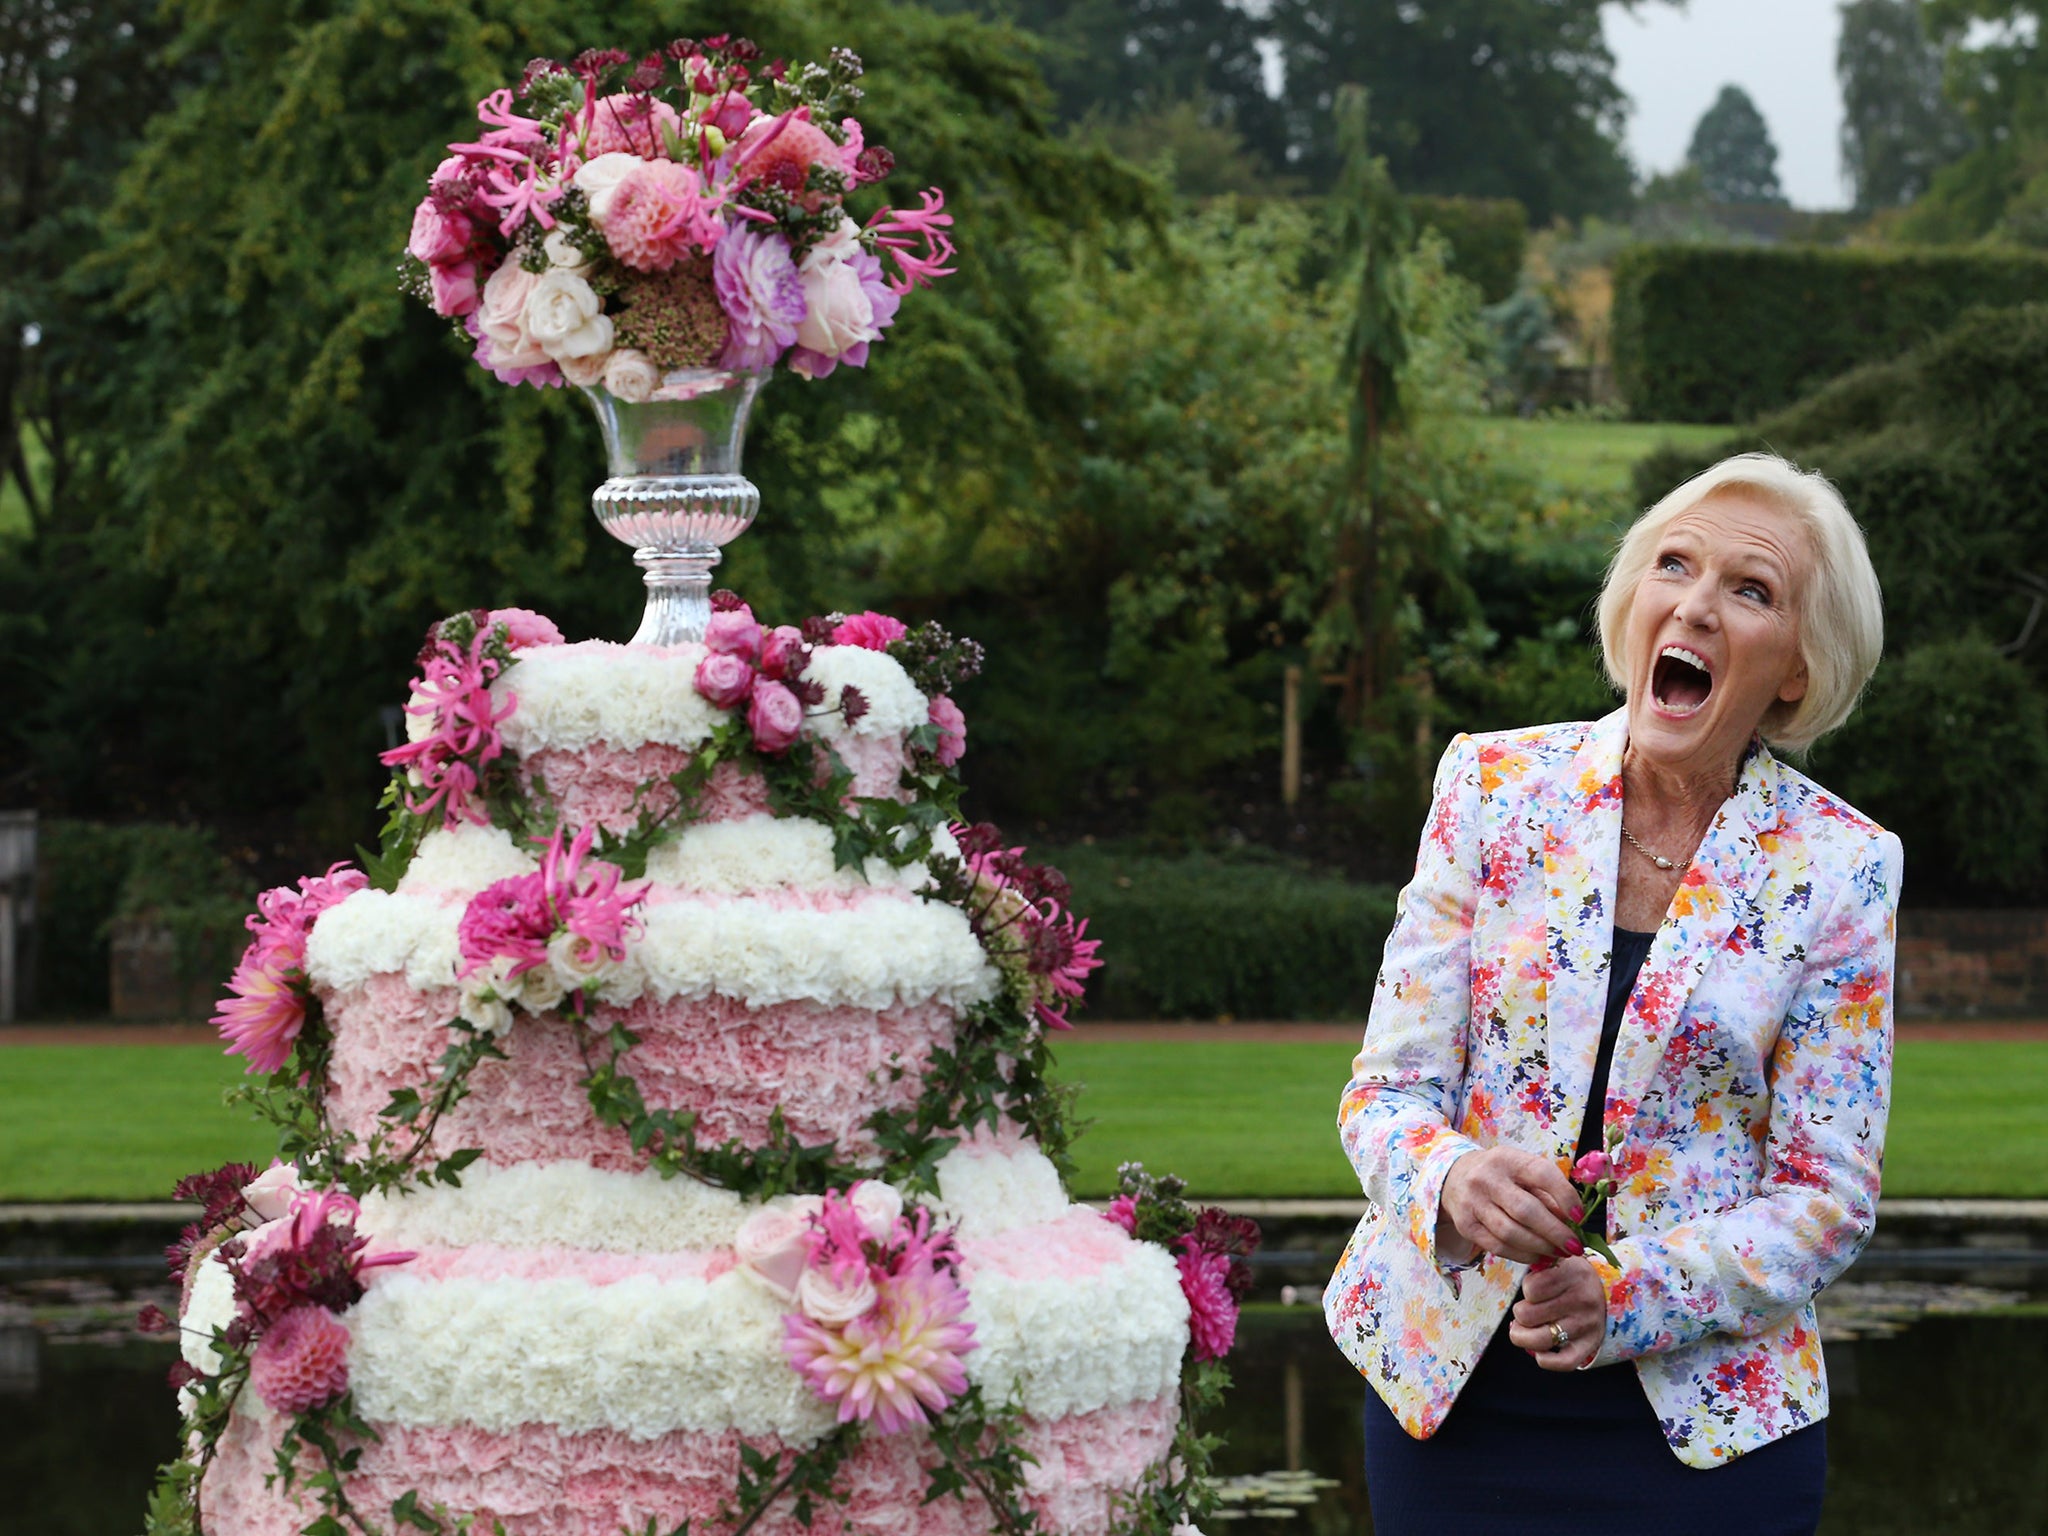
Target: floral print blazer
x,y
1749,1083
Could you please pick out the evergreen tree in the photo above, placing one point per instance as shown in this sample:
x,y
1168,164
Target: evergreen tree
x,y
1732,150
1897,129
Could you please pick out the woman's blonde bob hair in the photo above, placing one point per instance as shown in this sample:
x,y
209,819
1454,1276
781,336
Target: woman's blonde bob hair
x,y
1841,608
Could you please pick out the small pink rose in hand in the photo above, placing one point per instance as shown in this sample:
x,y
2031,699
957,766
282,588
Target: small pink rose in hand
x,y
1592,1168
776,717
725,680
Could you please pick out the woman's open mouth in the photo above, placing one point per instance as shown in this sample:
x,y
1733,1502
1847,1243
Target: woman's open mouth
x,y
1681,680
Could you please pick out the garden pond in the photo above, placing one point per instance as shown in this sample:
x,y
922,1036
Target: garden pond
x,y
1940,1420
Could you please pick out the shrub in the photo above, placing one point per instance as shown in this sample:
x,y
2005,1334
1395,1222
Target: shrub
x,y
1250,937
1488,237
1717,333
92,874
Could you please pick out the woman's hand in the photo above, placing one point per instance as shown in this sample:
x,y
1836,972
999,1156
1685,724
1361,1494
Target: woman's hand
x,y
1509,1202
1570,1295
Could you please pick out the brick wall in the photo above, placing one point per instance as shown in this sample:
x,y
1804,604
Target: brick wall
x,y
1959,963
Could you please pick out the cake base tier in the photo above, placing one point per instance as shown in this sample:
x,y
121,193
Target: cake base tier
x,y
541,1482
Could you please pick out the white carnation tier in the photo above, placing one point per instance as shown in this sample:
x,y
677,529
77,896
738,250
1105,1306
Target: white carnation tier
x,y
573,1350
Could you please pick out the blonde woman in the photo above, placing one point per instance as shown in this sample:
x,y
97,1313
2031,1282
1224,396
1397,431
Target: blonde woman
x,y
1648,933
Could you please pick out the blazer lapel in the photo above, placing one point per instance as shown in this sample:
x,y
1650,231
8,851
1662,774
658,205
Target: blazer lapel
x,y
1717,890
1581,844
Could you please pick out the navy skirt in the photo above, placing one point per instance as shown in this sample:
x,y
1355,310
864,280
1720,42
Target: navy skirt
x,y
1534,1452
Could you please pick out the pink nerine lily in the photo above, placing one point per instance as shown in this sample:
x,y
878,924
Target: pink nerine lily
x,y
900,230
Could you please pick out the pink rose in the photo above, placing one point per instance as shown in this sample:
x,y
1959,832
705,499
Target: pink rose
x,y
438,237
1592,1168
775,1243
945,714
879,1207
834,1299
838,314
452,290
502,317
870,631
776,716
729,114
782,651
726,680
734,633
634,125
527,627
269,1195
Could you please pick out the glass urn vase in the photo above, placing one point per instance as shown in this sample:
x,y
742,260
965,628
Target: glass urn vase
x,y
676,494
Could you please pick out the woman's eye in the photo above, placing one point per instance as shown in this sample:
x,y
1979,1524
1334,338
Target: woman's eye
x,y
1754,592
1670,563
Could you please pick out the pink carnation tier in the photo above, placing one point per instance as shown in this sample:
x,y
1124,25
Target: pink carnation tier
x,y
567,1341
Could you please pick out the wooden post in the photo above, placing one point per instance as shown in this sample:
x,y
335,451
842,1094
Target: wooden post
x,y
1290,737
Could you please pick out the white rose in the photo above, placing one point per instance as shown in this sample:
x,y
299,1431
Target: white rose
x,y
623,983
482,1007
631,375
599,180
539,990
878,1205
585,372
774,1244
578,963
825,1299
565,315
270,1193
565,254
501,315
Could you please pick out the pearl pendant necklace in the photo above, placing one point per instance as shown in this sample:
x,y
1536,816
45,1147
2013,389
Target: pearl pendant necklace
x,y
1657,859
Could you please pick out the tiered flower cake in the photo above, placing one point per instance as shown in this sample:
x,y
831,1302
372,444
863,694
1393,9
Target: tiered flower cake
x,y
668,1142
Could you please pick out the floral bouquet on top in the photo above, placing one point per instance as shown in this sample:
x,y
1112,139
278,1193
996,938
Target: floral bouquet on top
x,y
619,219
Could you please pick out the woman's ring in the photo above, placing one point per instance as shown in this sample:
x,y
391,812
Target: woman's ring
x,y
1558,1337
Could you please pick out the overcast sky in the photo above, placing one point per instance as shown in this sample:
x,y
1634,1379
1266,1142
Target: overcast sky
x,y
1673,63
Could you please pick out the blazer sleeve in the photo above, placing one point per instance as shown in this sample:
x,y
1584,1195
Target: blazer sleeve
x,y
1395,1118
1744,1269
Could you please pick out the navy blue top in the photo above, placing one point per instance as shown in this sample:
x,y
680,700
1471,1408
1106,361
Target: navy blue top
x,y
1631,949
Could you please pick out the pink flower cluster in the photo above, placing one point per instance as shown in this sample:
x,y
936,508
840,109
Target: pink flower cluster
x,y
292,1275
574,910
877,1323
445,768
762,669
266,1006
1020,911
673,160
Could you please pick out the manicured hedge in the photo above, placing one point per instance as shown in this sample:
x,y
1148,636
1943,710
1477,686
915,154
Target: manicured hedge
x,y
1487,235
1713,333
1203,937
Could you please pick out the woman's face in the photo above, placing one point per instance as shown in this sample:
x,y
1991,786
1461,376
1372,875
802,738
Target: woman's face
x,y
1713,634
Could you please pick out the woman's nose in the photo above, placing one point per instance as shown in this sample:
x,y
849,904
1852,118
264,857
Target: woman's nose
x,y
1697,607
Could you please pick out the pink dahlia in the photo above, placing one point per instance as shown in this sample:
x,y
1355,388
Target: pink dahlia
x,y
763,296
1212,1310
266,1008
301,1363
633,124
658,215
870,631
897,1363
945,714
780,151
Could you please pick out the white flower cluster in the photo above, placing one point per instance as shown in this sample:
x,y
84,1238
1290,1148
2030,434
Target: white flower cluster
x,y
770,853
888,951
573,696
987,1190
646,1356
558,1205
465,858
640,1355
212,1305
895,707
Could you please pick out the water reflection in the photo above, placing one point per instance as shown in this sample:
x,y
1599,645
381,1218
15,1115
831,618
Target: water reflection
x,y
1937,1428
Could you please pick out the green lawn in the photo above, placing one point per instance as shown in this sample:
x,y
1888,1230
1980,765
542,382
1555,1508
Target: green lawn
x,y
1234,1118
1590,458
